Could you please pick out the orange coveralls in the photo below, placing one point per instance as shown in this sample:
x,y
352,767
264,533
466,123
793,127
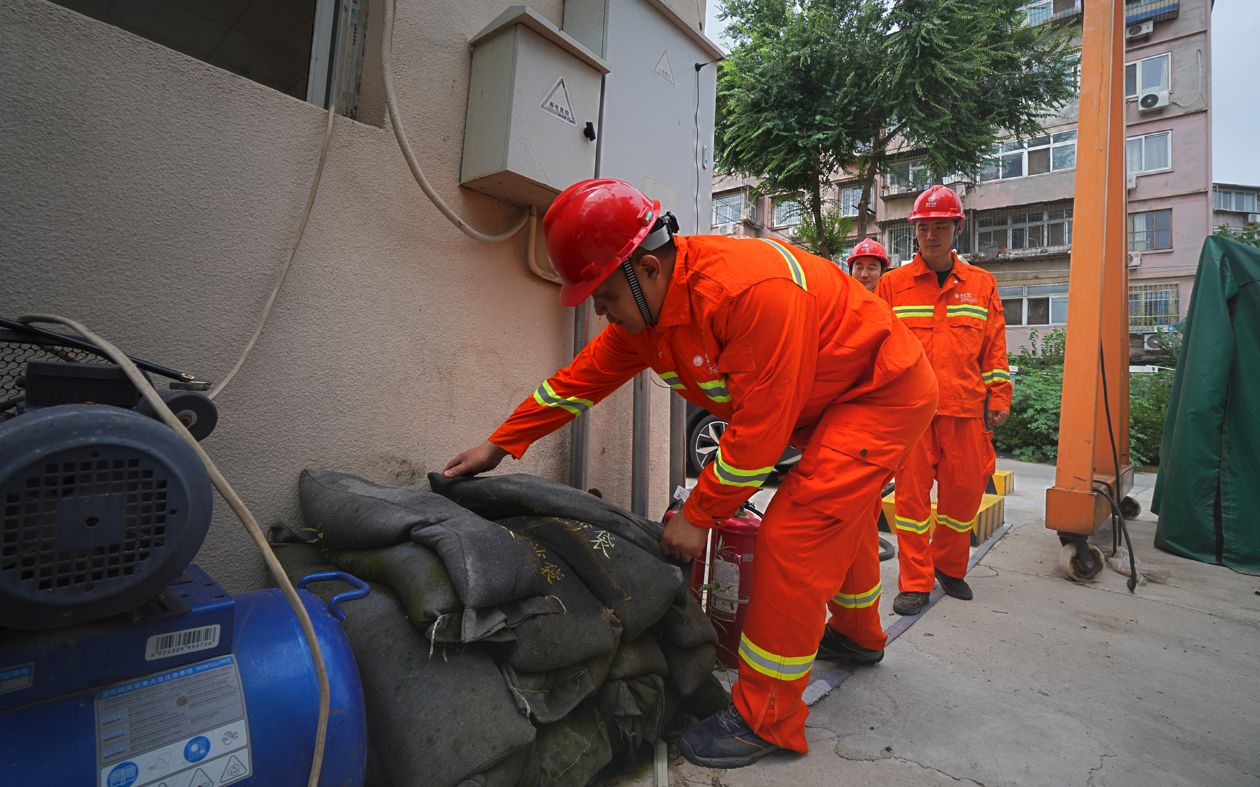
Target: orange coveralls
x,y
963,331
788,348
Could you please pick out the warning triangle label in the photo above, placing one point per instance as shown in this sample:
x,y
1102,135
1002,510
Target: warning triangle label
x,y
663,69
235,769
201,779
557,103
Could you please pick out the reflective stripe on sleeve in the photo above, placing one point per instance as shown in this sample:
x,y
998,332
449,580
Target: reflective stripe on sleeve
x,y
859,600
716,390
912,525
995,375
794,267
956,524
671,379
546,396
733,476
778,667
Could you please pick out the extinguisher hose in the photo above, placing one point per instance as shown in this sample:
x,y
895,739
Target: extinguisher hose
x,y
225,489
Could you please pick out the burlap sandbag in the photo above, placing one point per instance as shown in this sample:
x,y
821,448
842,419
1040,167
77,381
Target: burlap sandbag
x,y
643,656
636,585
570,752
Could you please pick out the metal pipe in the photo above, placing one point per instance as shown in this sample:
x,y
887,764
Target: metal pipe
x,y
640,444
677,443
580,429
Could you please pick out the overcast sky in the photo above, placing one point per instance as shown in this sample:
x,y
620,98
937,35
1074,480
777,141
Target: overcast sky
x,y
1235,88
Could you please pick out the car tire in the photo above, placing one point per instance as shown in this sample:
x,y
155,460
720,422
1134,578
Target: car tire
x,y
702,442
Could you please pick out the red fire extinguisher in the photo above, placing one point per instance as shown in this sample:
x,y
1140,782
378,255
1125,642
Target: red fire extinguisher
x,y
722,580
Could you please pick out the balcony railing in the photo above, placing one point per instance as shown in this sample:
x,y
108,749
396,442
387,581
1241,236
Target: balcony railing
x,y
1151,10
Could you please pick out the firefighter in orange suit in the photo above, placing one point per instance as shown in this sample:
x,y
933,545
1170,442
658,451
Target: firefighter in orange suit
x,y
788,349
954,310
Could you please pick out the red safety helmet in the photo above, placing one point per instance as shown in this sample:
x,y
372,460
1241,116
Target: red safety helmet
x,y
938,202
869,247
591,228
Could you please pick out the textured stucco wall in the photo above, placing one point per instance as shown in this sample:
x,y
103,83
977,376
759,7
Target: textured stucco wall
x,y
154,197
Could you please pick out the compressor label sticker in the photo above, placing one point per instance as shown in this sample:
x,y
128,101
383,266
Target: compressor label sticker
x,y
182,728
161,646
17,678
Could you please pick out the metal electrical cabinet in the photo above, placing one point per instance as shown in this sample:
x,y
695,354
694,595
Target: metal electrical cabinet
x,y
533,110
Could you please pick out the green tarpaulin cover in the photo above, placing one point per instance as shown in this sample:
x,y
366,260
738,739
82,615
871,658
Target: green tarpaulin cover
x,y
1207,494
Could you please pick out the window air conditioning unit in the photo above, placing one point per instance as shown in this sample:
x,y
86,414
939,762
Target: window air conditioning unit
x,y
1156,99
727,229
1138,31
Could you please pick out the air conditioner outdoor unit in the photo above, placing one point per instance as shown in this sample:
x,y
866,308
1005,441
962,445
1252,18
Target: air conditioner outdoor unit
x,y
1131,183
1156,99
1135,259
727,229
1139,30
1253,218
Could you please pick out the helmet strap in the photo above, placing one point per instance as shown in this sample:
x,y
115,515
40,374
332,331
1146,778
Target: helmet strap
x,y
636,290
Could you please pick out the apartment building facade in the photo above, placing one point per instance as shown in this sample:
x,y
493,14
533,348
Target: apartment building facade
x,y
1234,205
1020,204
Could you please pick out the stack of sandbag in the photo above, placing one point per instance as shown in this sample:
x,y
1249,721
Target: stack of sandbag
x,y
518,631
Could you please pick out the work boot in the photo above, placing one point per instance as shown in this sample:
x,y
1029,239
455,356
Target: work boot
x,y
837,647
958,588
910,602
724,740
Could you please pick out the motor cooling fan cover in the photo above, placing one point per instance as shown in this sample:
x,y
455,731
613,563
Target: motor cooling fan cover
x,y
100,508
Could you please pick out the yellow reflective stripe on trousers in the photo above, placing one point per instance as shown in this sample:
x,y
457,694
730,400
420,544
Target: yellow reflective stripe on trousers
x,y
777,667
794,266
955,524
912,525
546,396
730,475
716,390
995,374
967,310
920,310
859,600
671,379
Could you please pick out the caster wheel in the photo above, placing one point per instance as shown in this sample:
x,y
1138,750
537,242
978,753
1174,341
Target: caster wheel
x,y
1130,508
1076,569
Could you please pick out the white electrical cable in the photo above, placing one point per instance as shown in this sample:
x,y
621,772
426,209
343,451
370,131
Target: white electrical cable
x,y
225,489
531,261
392,104
284,272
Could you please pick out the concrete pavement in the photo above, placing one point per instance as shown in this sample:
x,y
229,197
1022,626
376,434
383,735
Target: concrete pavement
x,y
1041,681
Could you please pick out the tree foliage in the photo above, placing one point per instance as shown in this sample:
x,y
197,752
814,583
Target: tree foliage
x,y
815,86
1249,234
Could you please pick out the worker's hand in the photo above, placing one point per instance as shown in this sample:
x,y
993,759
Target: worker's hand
x,y
475,460
682,540
996,417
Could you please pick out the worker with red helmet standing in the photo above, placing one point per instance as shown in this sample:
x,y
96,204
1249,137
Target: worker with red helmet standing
x,y
954,310
782,345
867,262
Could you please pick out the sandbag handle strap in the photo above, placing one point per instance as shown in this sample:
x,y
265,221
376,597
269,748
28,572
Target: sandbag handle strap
x,y
361,589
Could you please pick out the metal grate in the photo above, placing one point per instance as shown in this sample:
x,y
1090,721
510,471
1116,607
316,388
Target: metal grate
x,y
13,359
43,553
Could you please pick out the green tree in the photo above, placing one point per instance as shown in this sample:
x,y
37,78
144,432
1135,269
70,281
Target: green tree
x,y
1249,233
815,86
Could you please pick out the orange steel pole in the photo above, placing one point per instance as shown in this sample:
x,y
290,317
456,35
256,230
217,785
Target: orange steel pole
x,y
1098,301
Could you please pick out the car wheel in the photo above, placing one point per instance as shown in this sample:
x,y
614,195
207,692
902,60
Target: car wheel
x,y
702,443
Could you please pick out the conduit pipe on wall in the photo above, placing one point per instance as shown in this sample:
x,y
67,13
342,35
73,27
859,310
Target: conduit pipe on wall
x,y
580,429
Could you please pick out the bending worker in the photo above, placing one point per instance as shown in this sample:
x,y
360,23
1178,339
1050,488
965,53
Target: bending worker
x,y
954,310
782,345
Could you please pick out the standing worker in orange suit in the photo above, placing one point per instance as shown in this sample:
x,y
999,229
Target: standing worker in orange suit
x,y
785,347
954,310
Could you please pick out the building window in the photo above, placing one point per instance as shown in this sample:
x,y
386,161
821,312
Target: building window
x,y
1149,152
907,176
787,212
1150,231
1152,306
1036,304
728,208
1235,200
1036,156
288,45
850,199
1024,232
1041,11
899,241
1147,75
